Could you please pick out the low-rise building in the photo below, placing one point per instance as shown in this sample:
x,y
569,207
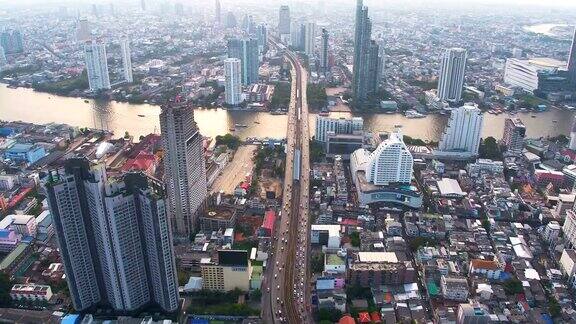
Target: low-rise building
x,y
454,288
485,268
25,153
371,269
334,264
328,235
31,292
232,271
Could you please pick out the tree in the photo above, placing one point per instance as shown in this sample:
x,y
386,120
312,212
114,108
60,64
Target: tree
x,y
5,286
317,262
316,151
553,307
231,141
355,239
256,295
489,149
513,286
329,315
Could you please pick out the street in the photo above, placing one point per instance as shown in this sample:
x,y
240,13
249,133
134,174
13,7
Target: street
x,y
287,288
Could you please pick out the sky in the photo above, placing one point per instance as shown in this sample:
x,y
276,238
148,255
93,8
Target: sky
x,y
376,3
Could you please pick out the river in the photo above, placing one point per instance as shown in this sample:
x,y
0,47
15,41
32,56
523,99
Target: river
x,y
544,29
35,107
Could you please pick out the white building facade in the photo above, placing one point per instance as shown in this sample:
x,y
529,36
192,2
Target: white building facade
x,y
126,59
451,80
128,242
96,65
461,138
310,39
336,125
391,162
233,81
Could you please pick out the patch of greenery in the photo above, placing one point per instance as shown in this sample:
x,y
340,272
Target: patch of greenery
x,y
316,96
355,239
207,302
64,87
231,141
489,149
513,286
424,85
281,96
329,315
317,262
316,152
5,286
19,71
418,242
413,141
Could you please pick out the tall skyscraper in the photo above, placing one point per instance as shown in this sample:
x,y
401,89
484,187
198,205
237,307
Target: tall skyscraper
x,y
233,83
217,11
83,32
572,144
11,41
295,39
362,83
324,51
97,65
373,67
572,62
461,138
514,134
310,39
143,5
3,60
262,36
184,167
114,238
231,21
246,50
284,23
126,59
451,80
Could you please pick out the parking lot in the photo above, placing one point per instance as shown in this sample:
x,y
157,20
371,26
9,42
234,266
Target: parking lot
x,y
236,170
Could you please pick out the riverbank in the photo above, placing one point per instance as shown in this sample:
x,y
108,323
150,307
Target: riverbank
x,y
24,104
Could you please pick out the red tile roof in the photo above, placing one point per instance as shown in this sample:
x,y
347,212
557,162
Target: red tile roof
x,y
364,317
269,219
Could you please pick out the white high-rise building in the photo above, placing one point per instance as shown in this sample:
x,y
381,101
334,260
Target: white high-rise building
x,y
461,138
391,162
114,238
451,80
284,23
310,39
96,65
295,37
3,60
336,125
126,59
572,144
233,81
569,229
185,167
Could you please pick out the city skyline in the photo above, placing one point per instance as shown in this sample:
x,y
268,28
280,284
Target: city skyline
x,y
288,161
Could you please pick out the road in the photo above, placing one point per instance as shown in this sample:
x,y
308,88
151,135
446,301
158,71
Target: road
x,y
286,285
235,172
